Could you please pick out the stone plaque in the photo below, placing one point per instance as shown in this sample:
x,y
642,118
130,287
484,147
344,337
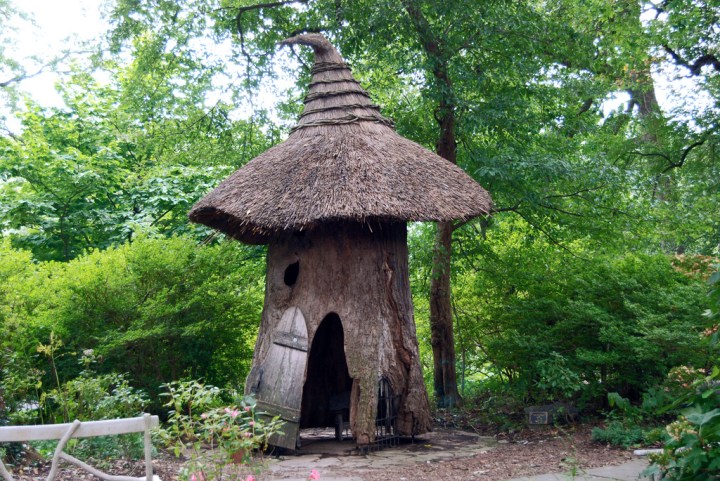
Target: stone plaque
x,y
540,417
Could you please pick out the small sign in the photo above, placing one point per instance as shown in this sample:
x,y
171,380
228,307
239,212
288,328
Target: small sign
x,y
538,417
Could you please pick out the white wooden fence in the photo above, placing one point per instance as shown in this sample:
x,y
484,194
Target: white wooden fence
x,y
76,429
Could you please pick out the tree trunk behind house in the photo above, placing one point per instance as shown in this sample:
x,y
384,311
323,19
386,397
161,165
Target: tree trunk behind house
x,y
357,274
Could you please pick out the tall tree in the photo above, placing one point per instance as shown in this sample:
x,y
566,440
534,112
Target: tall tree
x,y
487,75
132,155
516,90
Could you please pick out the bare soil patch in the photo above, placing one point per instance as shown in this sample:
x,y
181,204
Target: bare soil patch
x,y
526,453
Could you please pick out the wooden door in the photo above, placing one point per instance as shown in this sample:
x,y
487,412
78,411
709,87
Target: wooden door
x,y
277,381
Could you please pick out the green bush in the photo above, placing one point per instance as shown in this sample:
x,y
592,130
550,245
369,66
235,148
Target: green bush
x,y
561,327
88,397
157,309
216,437
92,396
619,434
692,447
624,426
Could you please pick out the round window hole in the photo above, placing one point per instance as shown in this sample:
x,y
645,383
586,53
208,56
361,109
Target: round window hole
x,y
291,274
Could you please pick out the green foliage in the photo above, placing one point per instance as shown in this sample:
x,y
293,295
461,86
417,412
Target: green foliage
x,y
92,396
556,379
623,426
556,325
218,438
158,309
692,447
561,295
89,176
619,434
88,397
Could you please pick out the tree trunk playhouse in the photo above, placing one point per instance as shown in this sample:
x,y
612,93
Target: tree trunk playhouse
x,y
337,344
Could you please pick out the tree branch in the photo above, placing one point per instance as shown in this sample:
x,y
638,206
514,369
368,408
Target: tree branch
x,y
683,157
13,136
695,68
260,6
23,76
651,154
508,209
51,63
157,219
585,106
574,194
549,236
558,209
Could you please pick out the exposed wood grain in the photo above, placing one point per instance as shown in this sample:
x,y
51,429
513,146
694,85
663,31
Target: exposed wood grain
x,y
85,430
276,379
359,273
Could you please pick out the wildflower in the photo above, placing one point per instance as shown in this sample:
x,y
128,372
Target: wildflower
x,y
247,409
234,413
679,428
314,475
250,477
204,415
199,477
252,423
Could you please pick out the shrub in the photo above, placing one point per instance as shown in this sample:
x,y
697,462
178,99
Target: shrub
x,y
692,448
157,309
565,328
88,397
619,434
217,437
624,424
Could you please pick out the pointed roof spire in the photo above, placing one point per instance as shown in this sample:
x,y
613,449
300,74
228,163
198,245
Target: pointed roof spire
x,y
342,162
334,96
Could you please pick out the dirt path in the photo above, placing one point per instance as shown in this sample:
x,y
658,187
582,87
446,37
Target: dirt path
x,y
453,455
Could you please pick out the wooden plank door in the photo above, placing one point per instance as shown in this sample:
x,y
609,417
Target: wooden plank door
x,y
277,381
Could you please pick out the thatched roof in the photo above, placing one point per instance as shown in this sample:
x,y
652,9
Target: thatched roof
x,y
342,162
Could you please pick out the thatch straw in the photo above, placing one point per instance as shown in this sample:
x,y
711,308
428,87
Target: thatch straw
x,y
342,162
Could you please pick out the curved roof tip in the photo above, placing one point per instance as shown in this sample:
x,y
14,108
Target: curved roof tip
x,y
341,163
324,50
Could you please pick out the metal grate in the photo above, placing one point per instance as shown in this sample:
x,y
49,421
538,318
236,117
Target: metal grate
x,y
385,430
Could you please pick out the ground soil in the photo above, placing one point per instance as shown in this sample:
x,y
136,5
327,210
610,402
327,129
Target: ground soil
x,y
504,456
525,453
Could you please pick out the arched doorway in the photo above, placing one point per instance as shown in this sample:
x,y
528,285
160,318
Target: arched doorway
x,y
327,385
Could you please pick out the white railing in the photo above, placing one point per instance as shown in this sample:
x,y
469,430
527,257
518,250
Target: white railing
x,y
77,429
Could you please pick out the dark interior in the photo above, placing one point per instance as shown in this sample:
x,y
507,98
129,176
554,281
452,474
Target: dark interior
x,y
291,274
327,386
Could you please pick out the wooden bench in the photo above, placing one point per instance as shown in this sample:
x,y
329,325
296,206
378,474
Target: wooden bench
x,y
77,429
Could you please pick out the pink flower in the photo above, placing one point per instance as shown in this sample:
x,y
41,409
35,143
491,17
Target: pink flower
x,y
252,423
232,412
247,435
199,477
247,409
250,477
314,475
204,415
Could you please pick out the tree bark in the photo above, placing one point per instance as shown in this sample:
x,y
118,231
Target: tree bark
x,y
358,275
441,325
